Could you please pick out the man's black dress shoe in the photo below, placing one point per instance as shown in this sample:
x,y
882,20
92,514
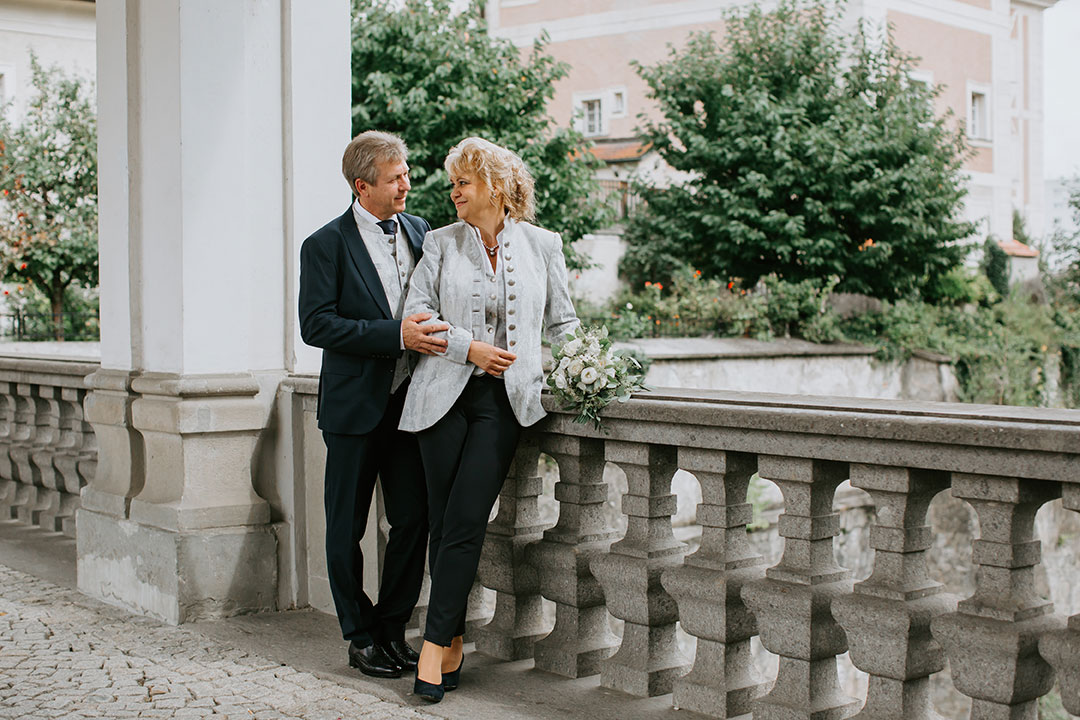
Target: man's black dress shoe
x,y
371,660
401,653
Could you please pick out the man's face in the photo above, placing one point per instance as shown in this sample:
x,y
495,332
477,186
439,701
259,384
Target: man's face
x,y
387,195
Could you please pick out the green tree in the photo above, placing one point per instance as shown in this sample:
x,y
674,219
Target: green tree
x,y
1062,256
435,77
811,154
48,181
995,265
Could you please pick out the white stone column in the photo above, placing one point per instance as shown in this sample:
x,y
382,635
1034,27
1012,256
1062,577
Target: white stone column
x,y
218,156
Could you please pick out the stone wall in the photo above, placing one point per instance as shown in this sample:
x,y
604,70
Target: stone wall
x,y
794,367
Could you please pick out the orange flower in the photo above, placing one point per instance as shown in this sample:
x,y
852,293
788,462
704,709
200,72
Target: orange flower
x,y
730,284
648,284
23,266
697,273
867,244
659,286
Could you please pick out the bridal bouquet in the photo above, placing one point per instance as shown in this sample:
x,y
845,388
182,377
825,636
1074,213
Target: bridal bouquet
x,y
589,374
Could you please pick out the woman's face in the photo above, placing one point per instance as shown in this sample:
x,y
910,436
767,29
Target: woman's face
x,y
472,198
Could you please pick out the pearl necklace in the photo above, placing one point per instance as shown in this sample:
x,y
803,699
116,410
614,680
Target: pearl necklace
x,y
491,251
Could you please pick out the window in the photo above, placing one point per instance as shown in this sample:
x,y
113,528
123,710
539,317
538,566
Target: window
x,y
594,109
978,126
593,116
618,103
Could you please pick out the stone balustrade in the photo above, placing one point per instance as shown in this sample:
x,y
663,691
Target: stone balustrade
x,y
1005,644
47,448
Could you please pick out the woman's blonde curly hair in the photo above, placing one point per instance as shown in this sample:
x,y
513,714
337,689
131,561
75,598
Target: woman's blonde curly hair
x,y
500,169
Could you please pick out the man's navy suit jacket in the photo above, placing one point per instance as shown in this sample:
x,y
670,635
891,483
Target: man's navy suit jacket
x,y
344,311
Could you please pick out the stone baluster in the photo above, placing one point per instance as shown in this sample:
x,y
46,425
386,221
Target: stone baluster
x,y
51,503
7,427
28,423
478,611
518,621
992,639
723,682
648,660
22,436
47,437
793,601
69,449
581,638
887,619
1061,648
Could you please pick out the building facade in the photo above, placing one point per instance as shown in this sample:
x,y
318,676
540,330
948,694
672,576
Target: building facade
x,y
987,55
59,32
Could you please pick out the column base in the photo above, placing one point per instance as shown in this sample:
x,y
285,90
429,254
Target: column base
x,y
177,577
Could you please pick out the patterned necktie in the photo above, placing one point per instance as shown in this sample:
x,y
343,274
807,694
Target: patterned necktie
x,y
388,226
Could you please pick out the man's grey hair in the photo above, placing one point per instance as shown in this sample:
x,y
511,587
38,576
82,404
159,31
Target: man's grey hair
x,y
366,151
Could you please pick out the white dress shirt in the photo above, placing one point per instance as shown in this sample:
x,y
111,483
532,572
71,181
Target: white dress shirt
x,y
394,262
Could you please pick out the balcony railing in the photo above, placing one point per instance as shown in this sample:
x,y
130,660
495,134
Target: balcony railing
x,y
1003,642
47,449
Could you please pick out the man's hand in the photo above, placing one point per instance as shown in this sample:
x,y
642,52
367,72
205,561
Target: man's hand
x,y
418,337
489,358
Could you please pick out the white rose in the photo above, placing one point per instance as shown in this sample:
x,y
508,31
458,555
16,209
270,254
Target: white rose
x,y
572,347
560,381
601,382
564,363
575,368
589,375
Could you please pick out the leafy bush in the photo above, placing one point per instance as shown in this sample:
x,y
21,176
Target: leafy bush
x,y
810,155
999,351
692,305
999,348
995,266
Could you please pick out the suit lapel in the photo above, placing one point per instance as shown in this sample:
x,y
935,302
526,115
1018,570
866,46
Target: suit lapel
x,y
362,260
411,229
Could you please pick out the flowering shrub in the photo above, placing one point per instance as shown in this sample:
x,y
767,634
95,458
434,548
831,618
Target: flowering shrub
x,y
589,375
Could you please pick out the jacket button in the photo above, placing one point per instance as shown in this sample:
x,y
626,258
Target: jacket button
x,y
511,327
511,296
509,268
510,311
513,343
508,282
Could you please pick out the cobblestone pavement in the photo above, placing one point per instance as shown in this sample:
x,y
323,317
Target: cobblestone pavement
x,y
63,655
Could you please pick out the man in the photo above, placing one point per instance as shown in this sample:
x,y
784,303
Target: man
x,y
354,275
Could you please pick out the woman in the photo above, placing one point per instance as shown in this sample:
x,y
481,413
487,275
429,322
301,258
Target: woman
x,y
497,281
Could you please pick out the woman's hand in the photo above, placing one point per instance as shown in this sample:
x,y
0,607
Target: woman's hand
x,y
489,358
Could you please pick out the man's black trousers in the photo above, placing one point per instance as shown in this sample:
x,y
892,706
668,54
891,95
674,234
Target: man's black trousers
x,y
352,464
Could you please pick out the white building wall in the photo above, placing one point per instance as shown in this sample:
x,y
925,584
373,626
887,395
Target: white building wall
x,y
60,32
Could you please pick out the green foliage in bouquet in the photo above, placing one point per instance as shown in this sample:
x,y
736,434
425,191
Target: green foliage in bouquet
x,y
589,374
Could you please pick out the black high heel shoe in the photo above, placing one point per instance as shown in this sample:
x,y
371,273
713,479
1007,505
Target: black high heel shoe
x,y
451,680
429,691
